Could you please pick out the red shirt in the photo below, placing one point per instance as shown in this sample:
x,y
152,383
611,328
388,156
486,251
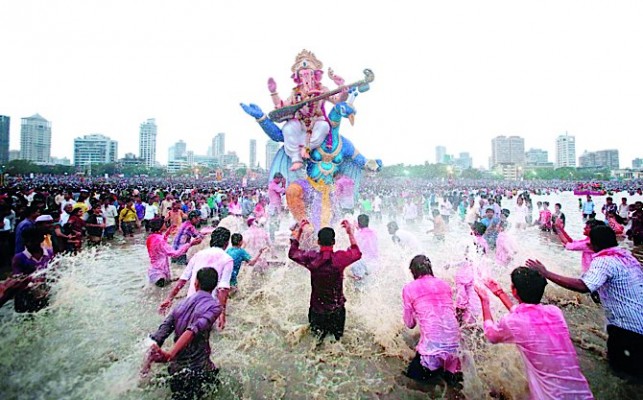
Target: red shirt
x,y
326,274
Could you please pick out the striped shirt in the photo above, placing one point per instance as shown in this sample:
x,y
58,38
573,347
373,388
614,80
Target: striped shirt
x,y
618,278
186,232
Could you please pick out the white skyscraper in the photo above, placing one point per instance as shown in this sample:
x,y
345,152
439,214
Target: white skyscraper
x,y
95,149
271,150
440,153
147,142
218,146
507,150
565,151
253,154
35,139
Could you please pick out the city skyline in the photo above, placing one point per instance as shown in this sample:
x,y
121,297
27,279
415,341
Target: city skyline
x,y
148,143
500,68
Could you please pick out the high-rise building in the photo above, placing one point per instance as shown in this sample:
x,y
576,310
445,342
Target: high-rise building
x,y
536,157
4,138
35,139
272,148
637,163
507,150
178,151
565,151
600,159
14,155
95,149
147,142
218,146
464,161
440,153
253,154
230,160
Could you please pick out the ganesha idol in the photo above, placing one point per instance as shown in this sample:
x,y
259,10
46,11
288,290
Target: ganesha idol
x,y
311,139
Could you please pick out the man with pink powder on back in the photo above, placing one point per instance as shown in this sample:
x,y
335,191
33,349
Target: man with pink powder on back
x,y
428,302
541,335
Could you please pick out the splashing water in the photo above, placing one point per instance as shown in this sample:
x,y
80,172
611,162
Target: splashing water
x,y
89,344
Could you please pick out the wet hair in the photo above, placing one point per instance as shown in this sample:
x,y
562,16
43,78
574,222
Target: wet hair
x,y
592,223
207,278
546,203
362,220
602,237
236,239
277,175
609,199
326,236
479,228
529,284
194,214
420,266
156,224
558,205
220,237
392,225
505,212
30,210
33,234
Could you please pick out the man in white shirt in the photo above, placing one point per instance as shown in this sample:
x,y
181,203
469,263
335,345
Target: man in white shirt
x,y
404,239
109,213
214,257
66,200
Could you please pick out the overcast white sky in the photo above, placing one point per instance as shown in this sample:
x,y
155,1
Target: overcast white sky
x,y
446,73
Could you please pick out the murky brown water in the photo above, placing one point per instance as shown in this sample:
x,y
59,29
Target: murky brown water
x,y
90,343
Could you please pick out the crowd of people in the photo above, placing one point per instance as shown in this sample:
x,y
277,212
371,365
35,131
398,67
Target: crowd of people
x,y
212,228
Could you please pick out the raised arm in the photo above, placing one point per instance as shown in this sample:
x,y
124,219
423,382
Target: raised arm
x,y
575,284
270,128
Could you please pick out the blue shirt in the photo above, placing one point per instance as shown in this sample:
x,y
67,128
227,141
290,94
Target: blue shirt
x,y
588,207
238,255
20,244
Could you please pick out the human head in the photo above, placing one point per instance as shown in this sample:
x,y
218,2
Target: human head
x,y
557,206
590,224
277,177
326,236
32,212
420,266
489,212
45,222
156,224
362,221
194,216
207,279
602,237
220,237
392,227
527,285
546,204
33,238
236,239
623,200
609,200
478,229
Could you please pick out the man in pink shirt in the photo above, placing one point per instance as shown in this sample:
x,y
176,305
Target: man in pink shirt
x,y
345,193
541,335
580,244
159,250
276,189
368,244
429,301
